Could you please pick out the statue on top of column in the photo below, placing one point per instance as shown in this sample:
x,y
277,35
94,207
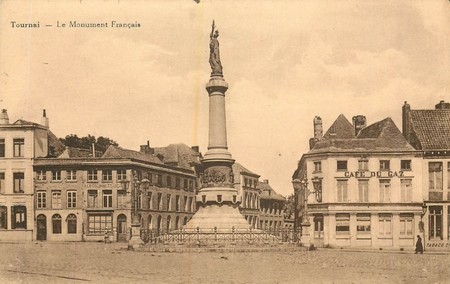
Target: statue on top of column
x,y
214,56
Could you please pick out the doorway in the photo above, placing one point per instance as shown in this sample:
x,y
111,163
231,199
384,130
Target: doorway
x,y
41,228
121,228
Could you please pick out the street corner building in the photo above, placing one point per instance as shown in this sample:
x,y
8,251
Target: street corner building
x,y
362,186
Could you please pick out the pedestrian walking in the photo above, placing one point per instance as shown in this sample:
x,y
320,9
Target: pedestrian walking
x,y
419,246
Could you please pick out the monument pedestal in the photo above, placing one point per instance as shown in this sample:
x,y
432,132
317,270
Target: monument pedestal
x,y
135,240
305,239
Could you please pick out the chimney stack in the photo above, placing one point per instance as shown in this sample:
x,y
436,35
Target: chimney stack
x,y
318,130
266,181
44,119
443,105
359,122
405,121
4,119
196,149
146,148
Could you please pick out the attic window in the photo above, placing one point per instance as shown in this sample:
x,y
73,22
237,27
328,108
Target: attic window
x,y
342,165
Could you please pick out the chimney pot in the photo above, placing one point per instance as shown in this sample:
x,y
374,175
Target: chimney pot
x,y
4,119
44,119
442,105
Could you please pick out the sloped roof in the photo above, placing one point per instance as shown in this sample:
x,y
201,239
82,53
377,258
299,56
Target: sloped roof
x,y
55,147
117,152
180,155
72,152
239,169
380,136
25,122
431,128
267,192
340,129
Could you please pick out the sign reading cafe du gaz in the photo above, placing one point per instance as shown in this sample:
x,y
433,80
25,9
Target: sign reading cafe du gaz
x,y
379,174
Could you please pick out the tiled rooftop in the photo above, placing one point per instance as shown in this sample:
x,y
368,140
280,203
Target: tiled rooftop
x,y
267,192
431,128
380,136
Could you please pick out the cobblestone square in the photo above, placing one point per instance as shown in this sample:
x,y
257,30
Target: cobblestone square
x,y
111,263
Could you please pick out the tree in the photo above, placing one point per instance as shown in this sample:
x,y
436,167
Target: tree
x,y
101,143
289,207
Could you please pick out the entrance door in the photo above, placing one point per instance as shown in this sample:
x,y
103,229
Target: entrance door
x,y
121,228
41,228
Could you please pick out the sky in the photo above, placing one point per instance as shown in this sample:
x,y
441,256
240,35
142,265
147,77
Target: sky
x,y
285,62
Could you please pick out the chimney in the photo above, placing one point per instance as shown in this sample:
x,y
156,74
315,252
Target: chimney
x,y
266,181
93,150
146,148
195,149
359,122
318,130
406,128
44,119
4,119
443,105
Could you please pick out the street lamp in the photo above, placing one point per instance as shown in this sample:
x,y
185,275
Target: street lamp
x,y
138,187
421,224
296,183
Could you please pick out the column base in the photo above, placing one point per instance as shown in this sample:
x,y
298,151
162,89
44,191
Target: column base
x,y
135,240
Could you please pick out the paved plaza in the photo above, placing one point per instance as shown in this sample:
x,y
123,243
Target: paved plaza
x,y
111,263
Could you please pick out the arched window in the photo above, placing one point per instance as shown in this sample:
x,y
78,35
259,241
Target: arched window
x,y
56,224
168,223
177,220
71,224
185,221
149,221
159,225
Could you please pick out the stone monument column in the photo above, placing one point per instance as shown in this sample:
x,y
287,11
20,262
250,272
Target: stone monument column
x,y
218,200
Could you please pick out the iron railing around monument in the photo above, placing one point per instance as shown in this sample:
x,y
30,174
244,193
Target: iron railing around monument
x,y
211,236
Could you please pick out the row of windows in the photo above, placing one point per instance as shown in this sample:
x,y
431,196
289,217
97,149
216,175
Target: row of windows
x,y
248,182
56,200
71,222
18,182
364,224
363,165
18,217
384,193
107,176
18,147
145,201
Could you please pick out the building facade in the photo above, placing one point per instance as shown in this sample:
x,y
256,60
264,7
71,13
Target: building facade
x,y
247,184
271,208
363,186
81,198
429,131
20,143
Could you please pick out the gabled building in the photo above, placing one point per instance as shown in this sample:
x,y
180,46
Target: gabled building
x,y
364,186
428,130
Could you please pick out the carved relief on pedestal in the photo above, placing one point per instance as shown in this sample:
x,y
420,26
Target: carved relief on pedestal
x,y
217,176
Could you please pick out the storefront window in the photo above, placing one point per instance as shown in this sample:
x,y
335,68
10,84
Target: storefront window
x,y
406,224
342,224
363,223
3,217
97,224
435,223
19,217
385,225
